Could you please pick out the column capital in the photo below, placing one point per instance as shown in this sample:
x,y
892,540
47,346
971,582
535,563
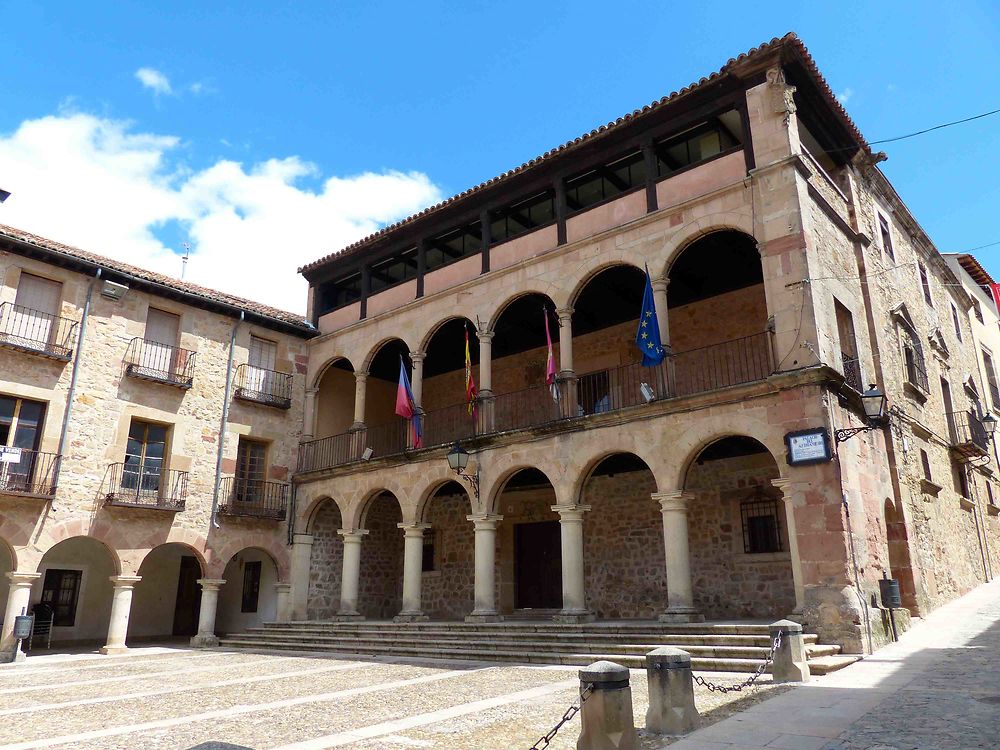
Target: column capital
x,y
413,529
571,513
283,587
485,336
361,375
660,284
312,391
417,356
211,584
354,536
564,313
485,521
673,500
22,579
302,538
124,582
788,486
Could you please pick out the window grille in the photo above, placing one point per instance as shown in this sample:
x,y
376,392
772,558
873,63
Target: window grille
x,y
761,524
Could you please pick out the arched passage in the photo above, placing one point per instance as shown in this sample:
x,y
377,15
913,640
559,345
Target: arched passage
x,y
448,568
738,533
335,399
380,583
625,577
448,417
387,433
900,566
166,602
529,546
249,596
718,313
326,564
75,583
7,563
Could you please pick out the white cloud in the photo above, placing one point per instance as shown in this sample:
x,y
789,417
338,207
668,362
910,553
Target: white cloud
x,y
845,96
98,184
154,80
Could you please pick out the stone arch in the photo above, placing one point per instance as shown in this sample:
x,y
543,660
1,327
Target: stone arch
x,y
197,553
434,329
307,517
265,541
358,514
7,549
583,469
709,429
232,616
79,528
374,351
584,280
427,495
503,470
380,582
689,233
324,368
324,521
167,599
503,306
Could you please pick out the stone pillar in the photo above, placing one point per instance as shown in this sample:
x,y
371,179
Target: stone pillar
x,y
309,414
789,491
413,558
351,577
606,718
301,563
283,602
360,386
18,598
417,377
565,342
571,539
121,607
206,618
485,585
660,300
790,657
485,362
680,597
671,692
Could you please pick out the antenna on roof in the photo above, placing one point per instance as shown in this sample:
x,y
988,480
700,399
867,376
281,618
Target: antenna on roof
x,y
185,257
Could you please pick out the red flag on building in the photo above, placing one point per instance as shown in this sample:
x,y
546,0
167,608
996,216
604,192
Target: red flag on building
x,y
470,384
550,362
995,290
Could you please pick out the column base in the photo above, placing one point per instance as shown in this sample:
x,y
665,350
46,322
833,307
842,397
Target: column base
x,y
411,617
681,614
484,617
574,616
114,650
347,617
15,656
205,641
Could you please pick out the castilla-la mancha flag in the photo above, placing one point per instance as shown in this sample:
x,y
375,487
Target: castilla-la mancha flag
x,y
470,384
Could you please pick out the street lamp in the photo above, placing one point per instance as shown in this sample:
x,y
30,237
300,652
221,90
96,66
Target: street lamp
x,y
990,423
458,462
873,402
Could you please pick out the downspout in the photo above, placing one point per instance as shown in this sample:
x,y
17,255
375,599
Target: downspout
x,y
64,433
225,421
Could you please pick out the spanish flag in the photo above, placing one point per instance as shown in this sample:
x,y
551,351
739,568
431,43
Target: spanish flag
x,y
470,384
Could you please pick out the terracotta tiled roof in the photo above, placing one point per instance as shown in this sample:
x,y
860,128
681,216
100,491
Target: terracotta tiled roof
x,y
972,267
789,42
183,287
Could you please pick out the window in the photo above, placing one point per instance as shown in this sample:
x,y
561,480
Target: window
x,y
848,347
251,469
960,479
978,310
926,464
454,245
520,217
991,380
251,585
989,492
606,181
36,308
21,428
260,376
395,270
61,590
697,144
886,235
913,358
956,322
145,453
761,524
340,293
925,283
427,561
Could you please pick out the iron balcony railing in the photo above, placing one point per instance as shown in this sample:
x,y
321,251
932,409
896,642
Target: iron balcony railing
x,y
256,498
36,332
263,386
916,375
852,372
150,360
968,434
135,486
724,365
24,472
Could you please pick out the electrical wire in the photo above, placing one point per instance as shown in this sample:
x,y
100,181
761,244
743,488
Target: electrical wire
x,y
936,127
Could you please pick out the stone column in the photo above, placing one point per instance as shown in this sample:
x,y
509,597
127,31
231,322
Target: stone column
x,y
360,385
18,598
417,378
485,362
206,618
301,564
309,414
789,491
680,597
121,607
660,300
283,602
565,342
413,558
351,578
485,586
571,538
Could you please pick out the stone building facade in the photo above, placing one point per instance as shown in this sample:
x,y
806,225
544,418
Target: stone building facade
x,y
115,498
788,277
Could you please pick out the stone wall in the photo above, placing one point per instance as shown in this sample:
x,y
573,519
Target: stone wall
x,y
380,589
447,592
326,565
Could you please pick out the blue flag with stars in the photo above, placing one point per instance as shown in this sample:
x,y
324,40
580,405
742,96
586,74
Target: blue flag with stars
x,y
647,338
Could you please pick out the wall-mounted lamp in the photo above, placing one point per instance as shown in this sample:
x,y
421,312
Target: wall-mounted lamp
x,y
458,462
990,424
873,402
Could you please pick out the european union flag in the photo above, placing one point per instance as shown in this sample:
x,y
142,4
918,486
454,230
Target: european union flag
x,y
647,338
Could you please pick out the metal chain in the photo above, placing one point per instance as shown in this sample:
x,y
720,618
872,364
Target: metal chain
x,y
572,711
712,687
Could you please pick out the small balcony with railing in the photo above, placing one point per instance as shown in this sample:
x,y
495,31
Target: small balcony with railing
x,y
259,386
968,435
156,488
851,367
253,498
27,473
36,332
160,363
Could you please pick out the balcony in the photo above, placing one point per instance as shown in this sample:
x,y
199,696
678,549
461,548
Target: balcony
x,y
262,386
968,436
36,332
615,389
160,363
27,473
852,372
253,498
156,489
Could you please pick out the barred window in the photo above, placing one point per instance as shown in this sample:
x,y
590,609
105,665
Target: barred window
x,y
761,524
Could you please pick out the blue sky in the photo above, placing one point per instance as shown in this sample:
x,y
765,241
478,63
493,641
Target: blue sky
x,y
310,125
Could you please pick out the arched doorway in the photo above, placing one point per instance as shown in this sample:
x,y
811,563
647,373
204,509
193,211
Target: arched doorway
x,y
166,602
249,596
326,562
449,558
386,432
448,416
335,399
624,574
75,582
530,546
380,584
738,533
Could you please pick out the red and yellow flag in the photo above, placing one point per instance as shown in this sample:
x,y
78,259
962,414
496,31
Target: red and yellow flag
x,y
470,384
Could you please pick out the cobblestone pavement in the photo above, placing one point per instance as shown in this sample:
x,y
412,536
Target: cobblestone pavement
x,y
163,698
937,689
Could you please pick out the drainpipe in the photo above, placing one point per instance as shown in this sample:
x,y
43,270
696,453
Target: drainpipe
x,y
72,380
225,421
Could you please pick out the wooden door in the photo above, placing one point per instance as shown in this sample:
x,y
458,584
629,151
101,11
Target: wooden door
x,y
538,565
260,365
188,605
162,330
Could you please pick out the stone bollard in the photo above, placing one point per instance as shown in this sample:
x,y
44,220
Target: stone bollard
x,y
671,692
606,716
790,658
